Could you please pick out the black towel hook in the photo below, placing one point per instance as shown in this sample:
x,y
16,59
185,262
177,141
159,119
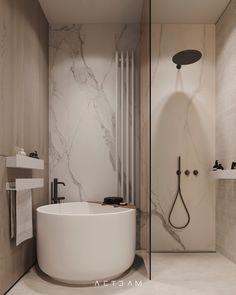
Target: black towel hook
x,y
181,198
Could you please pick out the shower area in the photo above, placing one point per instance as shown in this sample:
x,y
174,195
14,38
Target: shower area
x,y
182,135
191,102
178,134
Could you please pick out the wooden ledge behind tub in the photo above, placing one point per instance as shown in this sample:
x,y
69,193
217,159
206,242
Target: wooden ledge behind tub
x,y
130,206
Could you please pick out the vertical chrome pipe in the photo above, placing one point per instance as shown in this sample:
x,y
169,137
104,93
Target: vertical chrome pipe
x,y
117,123
132,130
122,123
127,128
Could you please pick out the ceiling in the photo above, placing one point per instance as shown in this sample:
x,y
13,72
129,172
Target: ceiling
x,y
129,11
92,11
187,11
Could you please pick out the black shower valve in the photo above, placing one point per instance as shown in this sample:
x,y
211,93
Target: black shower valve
x,y
187,172
233,165
195,172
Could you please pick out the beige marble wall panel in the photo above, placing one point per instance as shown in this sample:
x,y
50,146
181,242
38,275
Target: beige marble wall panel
x,y
183,124
225,130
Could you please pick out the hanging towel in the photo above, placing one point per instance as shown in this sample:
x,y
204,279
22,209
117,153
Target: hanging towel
x,y
24,221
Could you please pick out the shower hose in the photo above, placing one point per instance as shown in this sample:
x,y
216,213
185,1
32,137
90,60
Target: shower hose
x,y
179,194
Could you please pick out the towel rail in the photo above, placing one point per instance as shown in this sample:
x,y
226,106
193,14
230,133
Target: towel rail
x,y
125,129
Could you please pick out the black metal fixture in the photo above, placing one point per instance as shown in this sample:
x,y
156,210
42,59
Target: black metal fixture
x,y
233,165
221,167
186,57
54,191
218,166
195,172
113,200
179,194
187,172
34,155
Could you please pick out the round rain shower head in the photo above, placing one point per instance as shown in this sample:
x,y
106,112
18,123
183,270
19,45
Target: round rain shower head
x,y
186,57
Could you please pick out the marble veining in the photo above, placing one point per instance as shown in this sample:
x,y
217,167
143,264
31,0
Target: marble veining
x,y
159,212
183,124
82,106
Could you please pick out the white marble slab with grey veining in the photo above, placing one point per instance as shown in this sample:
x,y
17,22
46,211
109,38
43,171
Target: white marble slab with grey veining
x,y
83,106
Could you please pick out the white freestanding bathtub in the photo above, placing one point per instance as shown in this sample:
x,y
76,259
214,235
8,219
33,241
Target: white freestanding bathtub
x,y
81,243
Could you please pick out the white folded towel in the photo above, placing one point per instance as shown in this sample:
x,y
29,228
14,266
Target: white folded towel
x,y
24,221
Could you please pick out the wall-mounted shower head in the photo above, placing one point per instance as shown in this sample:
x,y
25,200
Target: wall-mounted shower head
x,y
186,57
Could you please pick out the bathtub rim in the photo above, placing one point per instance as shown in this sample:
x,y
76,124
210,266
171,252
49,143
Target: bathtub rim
x,y
127,210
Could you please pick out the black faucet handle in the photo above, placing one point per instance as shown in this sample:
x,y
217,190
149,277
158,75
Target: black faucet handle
x,y
52,192
59,199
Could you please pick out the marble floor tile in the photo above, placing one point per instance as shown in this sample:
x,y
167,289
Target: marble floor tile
x,y
172,274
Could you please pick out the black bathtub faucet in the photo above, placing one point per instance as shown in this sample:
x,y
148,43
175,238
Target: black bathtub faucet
x,y
54,191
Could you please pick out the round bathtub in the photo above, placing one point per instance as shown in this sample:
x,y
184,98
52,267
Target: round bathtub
x,y
80,243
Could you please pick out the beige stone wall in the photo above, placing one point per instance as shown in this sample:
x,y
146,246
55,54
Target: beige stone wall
x,y
225,130
183,124
23,116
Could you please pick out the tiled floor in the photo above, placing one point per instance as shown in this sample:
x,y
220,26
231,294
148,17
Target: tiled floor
x,y
173,274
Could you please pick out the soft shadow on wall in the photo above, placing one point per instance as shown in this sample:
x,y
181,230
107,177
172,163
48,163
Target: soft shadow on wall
x,y
178,130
